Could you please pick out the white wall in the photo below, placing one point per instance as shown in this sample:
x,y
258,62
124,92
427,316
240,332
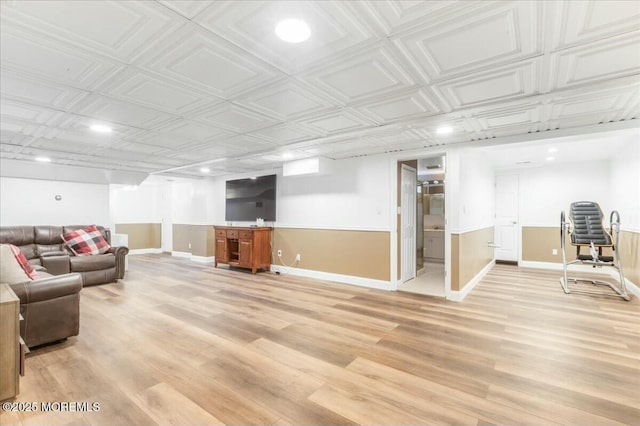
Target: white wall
x,y
32,202
624,185
354,195
136,204
196,202
470,180
546,191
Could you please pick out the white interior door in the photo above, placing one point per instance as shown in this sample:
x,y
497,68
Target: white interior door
x,y
167,219
408,213
506,224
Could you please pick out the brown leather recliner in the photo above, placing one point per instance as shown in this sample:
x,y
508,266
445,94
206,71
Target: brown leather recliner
x,y
43,246
50,306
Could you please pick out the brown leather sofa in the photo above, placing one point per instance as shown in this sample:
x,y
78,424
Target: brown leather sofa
x,y
50,306
43,246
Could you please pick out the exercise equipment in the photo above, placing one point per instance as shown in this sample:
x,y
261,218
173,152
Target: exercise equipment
x,y
585,226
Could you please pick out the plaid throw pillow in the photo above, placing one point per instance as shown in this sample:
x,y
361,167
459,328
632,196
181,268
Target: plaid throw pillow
x,y
84,242
23,262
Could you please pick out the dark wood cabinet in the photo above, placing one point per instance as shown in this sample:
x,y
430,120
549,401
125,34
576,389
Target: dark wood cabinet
x,y
248,247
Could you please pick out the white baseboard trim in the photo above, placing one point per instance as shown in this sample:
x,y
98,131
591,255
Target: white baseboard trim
x,y
193,258
329,276
633,288
146,251
458,296
181,254
203,259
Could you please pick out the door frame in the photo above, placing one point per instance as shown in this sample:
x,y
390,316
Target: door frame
x,y
412,250
394,212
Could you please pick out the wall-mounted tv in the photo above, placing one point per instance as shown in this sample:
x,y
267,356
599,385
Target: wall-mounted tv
x,y
251,198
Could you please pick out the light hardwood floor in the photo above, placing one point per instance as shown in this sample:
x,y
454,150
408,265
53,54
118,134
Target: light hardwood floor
x,y
178,342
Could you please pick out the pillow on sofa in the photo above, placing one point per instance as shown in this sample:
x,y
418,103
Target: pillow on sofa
x,y
14,266
84,242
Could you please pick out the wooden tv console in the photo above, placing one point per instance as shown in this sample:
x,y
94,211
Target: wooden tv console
x,y
245,247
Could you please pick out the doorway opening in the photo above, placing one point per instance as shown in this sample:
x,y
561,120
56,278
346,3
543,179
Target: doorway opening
x,y
430,226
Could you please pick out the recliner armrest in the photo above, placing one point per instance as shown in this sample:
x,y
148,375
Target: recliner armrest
x,y
47,288
56,265
119,252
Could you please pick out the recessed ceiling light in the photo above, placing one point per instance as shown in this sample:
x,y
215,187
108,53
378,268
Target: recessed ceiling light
x,y
205,170
551,158
552,150
253,178
287,155
444,130
293,30
100,128
43,159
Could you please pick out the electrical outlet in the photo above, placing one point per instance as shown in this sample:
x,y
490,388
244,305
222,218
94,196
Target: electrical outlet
x,y
554,252
279,253
297,257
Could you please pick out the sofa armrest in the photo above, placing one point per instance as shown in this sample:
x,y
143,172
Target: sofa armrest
x,y
119,252
56,265
47,288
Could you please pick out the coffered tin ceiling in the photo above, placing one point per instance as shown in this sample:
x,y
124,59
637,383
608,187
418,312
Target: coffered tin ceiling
x,y
190,83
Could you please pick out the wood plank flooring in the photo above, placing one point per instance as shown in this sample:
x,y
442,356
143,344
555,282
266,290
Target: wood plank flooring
x,y
179,342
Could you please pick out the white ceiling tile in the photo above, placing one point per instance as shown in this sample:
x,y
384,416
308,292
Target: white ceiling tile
x,y
341,121
475,42
521,115
187,8
144,89
181,82
45,58
398,15
48,95
583,21
32,113
375,73
285,100
247,143
193,130
196,57
216,150
501,84
400,107
251,25
606,60
283,134
598,103
119,112
164,140
235,118
115,28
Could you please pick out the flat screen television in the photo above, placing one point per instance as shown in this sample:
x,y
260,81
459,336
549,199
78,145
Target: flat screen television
x,y
252,198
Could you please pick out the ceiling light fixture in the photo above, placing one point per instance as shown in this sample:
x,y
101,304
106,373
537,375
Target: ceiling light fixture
x,y
100,128
551,150
444,130
205,170
43,159
293,30
551,158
